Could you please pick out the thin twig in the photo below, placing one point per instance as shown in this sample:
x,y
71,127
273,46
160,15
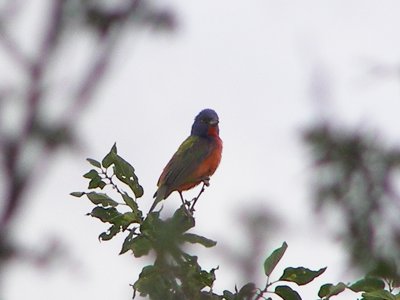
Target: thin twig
x,y
186,205
198,196
108,42
265,290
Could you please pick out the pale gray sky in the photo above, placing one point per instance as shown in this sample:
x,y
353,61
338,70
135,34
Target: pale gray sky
x,y
255,63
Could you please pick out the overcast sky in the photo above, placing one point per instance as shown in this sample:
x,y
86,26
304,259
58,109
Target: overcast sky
x,y
269,69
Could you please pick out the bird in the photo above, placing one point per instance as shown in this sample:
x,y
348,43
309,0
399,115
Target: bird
x,y
196,159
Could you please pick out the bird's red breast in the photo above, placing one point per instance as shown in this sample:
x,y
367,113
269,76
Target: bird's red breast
x,y
208,166
214,132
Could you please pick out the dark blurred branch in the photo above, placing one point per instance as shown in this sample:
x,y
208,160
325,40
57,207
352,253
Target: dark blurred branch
x,y
259,223
356,173
108,37
108,25
9,12
17,179
12,49
92,78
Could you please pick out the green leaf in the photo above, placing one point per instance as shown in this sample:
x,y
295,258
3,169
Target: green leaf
x,y
206,278
127,244
153,282
193,278
151,224
197,239
102,199
328,290
247,291
367,284
125,172
96,182
229,295
130,202
128,218
106,215
94,162
379,295
181,220
271,261
287,293
300,275
109,159
77,194
91,174
140,246
209,295
110,233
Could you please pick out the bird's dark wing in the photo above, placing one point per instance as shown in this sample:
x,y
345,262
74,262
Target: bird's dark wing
x,y
182,166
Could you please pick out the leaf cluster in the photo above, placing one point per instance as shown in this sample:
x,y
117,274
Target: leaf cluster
x,y
299,276
106,207
177,274
371,287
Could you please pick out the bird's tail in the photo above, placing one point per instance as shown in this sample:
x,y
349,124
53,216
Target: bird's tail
x,y
159,196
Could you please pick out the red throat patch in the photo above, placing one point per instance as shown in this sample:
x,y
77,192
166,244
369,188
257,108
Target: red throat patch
x,y
213,131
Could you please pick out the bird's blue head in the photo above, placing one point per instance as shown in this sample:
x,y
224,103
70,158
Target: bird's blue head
x,y
206,123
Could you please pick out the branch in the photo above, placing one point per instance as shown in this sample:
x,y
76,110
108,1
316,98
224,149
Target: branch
x,y
13,50
18,180
108,41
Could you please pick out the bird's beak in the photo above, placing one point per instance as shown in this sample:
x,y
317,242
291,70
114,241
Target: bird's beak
x,y
213,122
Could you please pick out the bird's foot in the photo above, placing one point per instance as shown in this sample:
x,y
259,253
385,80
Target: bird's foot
x,y
206,181
186,210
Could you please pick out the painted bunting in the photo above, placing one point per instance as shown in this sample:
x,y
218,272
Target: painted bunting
x,y
195,161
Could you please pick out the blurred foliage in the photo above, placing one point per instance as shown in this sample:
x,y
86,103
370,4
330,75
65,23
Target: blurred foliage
x,y
104,16
357,175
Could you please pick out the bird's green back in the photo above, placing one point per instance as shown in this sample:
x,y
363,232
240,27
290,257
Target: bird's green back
x,y
183,164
